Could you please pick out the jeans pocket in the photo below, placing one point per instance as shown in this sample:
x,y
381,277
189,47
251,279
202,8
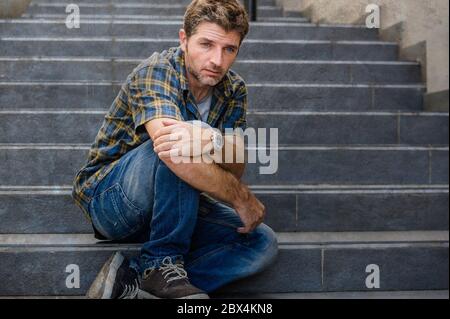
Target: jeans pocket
x,y
114,215
206,204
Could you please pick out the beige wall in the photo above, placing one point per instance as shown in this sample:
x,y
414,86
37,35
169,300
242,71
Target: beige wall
x,y
13,8
410,22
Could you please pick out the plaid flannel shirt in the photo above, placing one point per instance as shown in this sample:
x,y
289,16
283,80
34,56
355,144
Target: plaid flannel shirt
x,y
157,88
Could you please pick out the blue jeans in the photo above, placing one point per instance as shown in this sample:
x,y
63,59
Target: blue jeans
x,y
142,200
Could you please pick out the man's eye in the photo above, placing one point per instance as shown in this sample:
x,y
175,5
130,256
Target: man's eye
x,y
231,50
206,45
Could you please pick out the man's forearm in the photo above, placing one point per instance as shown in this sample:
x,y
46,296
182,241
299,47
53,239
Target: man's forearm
x,y
232,157
212,179
237,169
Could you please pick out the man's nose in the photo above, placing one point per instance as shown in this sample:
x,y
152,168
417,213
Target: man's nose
x,y
217,59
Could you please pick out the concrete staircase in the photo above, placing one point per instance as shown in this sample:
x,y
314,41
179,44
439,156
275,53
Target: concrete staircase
x,y
363,170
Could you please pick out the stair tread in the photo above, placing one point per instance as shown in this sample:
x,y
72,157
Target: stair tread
x,y
258,84
151,17
152,39
293,147
411,187
172,22
287,240
76,59
417,294
414,294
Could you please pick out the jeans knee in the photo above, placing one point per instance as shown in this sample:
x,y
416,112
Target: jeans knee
x,y
165,175
265,244
144,151
270,238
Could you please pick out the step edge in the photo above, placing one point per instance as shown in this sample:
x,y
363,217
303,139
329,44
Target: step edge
x,y
161,22
116,39
175,17
87,111
78,59
379,294
286,240
129,5
253,85
66,190
291,147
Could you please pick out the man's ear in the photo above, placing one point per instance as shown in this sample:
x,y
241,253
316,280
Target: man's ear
x,y
183,39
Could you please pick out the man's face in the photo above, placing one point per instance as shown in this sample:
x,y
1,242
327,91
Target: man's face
x,y
210,52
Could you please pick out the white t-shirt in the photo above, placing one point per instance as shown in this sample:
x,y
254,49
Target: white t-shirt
x,y
204,106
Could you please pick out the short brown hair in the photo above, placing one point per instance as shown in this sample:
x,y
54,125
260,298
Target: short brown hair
x,y
228,14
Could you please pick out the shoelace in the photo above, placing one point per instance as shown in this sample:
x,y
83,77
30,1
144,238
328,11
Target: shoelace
x,y
130,291
169,270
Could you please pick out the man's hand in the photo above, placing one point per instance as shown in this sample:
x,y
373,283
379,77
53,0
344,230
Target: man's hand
x,y
250,210
185,139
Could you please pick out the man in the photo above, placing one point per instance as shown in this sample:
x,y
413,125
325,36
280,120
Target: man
x,y
200,226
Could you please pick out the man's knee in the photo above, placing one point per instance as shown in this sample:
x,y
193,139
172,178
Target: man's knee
x,y
138,171
144,165
269,238
265,245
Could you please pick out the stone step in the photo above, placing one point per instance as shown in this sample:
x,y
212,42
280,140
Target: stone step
x,y
286,18
157,29
303,208
167,29
57,164
309,262
292,14
253,71
140,47
172,2
262,96
178,18
294,128
397,295
407,295
131,9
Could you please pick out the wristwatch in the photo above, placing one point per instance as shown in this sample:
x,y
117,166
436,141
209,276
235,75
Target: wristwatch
x,y
217,141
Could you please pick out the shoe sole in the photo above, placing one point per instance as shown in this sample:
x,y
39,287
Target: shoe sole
x,y
145,295
102,286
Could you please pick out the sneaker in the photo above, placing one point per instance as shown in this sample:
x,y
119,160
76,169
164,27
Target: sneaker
x,y
116,280
169,281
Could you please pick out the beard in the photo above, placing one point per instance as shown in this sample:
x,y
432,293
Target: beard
x,y
205,79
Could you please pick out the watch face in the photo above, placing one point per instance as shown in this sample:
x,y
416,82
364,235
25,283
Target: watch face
x,y
218,141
